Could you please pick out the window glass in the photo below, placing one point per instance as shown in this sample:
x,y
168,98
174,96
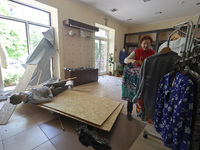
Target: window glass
x,y
35,35
13,36
24,12
13,40
102,33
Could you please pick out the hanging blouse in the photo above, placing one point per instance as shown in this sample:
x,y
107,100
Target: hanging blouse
x,y
173,112
122,56
152,70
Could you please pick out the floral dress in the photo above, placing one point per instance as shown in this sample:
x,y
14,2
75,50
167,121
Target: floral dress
x,y
174,108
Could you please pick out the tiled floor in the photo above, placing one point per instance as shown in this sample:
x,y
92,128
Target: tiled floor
x,y
34,128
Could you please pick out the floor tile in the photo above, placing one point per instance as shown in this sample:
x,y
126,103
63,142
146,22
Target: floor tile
x,y
2,103
16,126
43,115
51,128
20,111
150,143
68,140
122,135
45,146
26,140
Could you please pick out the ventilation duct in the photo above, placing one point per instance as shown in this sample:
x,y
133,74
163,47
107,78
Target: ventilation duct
x,y
80,25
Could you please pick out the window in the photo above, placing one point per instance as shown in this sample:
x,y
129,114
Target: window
x,y
101,50
21,28
24,12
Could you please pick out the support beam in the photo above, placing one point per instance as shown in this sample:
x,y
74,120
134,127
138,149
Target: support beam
x,y
8,109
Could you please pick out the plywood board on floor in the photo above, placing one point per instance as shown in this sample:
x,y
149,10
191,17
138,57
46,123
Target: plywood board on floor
x,y
106,126
7,109
84,106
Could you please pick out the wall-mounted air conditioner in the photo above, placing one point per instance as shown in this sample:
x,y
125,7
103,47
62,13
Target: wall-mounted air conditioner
x,y
80,25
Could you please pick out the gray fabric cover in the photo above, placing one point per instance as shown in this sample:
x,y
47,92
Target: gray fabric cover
x,y
41,57
152,70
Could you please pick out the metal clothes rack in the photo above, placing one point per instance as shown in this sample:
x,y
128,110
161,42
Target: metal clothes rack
x,y
189,55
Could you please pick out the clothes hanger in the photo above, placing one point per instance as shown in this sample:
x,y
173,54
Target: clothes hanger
x,y
166,50
175,36
180,64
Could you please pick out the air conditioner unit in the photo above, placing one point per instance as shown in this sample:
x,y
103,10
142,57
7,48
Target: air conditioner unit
x,y
80,25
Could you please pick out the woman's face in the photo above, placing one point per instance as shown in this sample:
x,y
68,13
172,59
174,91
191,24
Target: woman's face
x,y
146,44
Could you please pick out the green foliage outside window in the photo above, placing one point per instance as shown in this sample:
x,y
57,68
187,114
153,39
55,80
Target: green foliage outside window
x,y
15,48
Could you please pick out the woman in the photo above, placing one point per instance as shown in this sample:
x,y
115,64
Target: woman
x,y
131,71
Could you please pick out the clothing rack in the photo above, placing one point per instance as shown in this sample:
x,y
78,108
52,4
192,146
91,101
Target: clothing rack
x,y
189,55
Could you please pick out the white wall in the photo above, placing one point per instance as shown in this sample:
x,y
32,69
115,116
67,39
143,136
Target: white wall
x,y
68,9
162,25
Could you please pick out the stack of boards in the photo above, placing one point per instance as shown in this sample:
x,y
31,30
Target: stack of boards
x,y
95,111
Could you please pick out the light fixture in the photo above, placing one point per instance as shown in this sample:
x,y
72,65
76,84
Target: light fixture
x,y
159,12
146,0
182,2
106,21
114,10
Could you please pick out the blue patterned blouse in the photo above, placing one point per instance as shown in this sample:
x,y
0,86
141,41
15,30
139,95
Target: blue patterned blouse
x,y
173,112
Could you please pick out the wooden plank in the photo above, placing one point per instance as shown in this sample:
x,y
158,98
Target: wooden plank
x,y
87,107
106,126
8,109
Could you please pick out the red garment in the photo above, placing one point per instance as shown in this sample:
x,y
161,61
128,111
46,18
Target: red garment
x,y
140,54
139,105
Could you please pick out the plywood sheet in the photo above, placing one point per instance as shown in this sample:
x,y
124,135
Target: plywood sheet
x,y
7,109
87,107
106,126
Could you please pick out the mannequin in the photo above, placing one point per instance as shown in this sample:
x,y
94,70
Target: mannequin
x,y
122,56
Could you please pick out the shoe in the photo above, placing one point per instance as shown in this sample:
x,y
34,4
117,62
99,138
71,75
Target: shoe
x,y
129,116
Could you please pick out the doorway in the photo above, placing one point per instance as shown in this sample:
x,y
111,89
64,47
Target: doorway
x,y
101,51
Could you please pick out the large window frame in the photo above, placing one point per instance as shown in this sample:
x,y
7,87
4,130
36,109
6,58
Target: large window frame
x,y
27,23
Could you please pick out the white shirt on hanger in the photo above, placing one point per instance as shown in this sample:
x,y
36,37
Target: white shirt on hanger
x,y
176,46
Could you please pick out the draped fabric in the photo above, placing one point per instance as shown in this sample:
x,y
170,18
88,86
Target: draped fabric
x,y
174,109
194,75
129,80
41,57
131,73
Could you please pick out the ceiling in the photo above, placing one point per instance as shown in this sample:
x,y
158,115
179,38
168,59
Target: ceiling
x,y
139,12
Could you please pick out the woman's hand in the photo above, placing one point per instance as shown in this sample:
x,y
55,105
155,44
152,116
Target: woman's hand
x,y
139,62
136,62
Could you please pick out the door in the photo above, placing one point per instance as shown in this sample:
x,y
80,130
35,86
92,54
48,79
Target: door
x,y
101,49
